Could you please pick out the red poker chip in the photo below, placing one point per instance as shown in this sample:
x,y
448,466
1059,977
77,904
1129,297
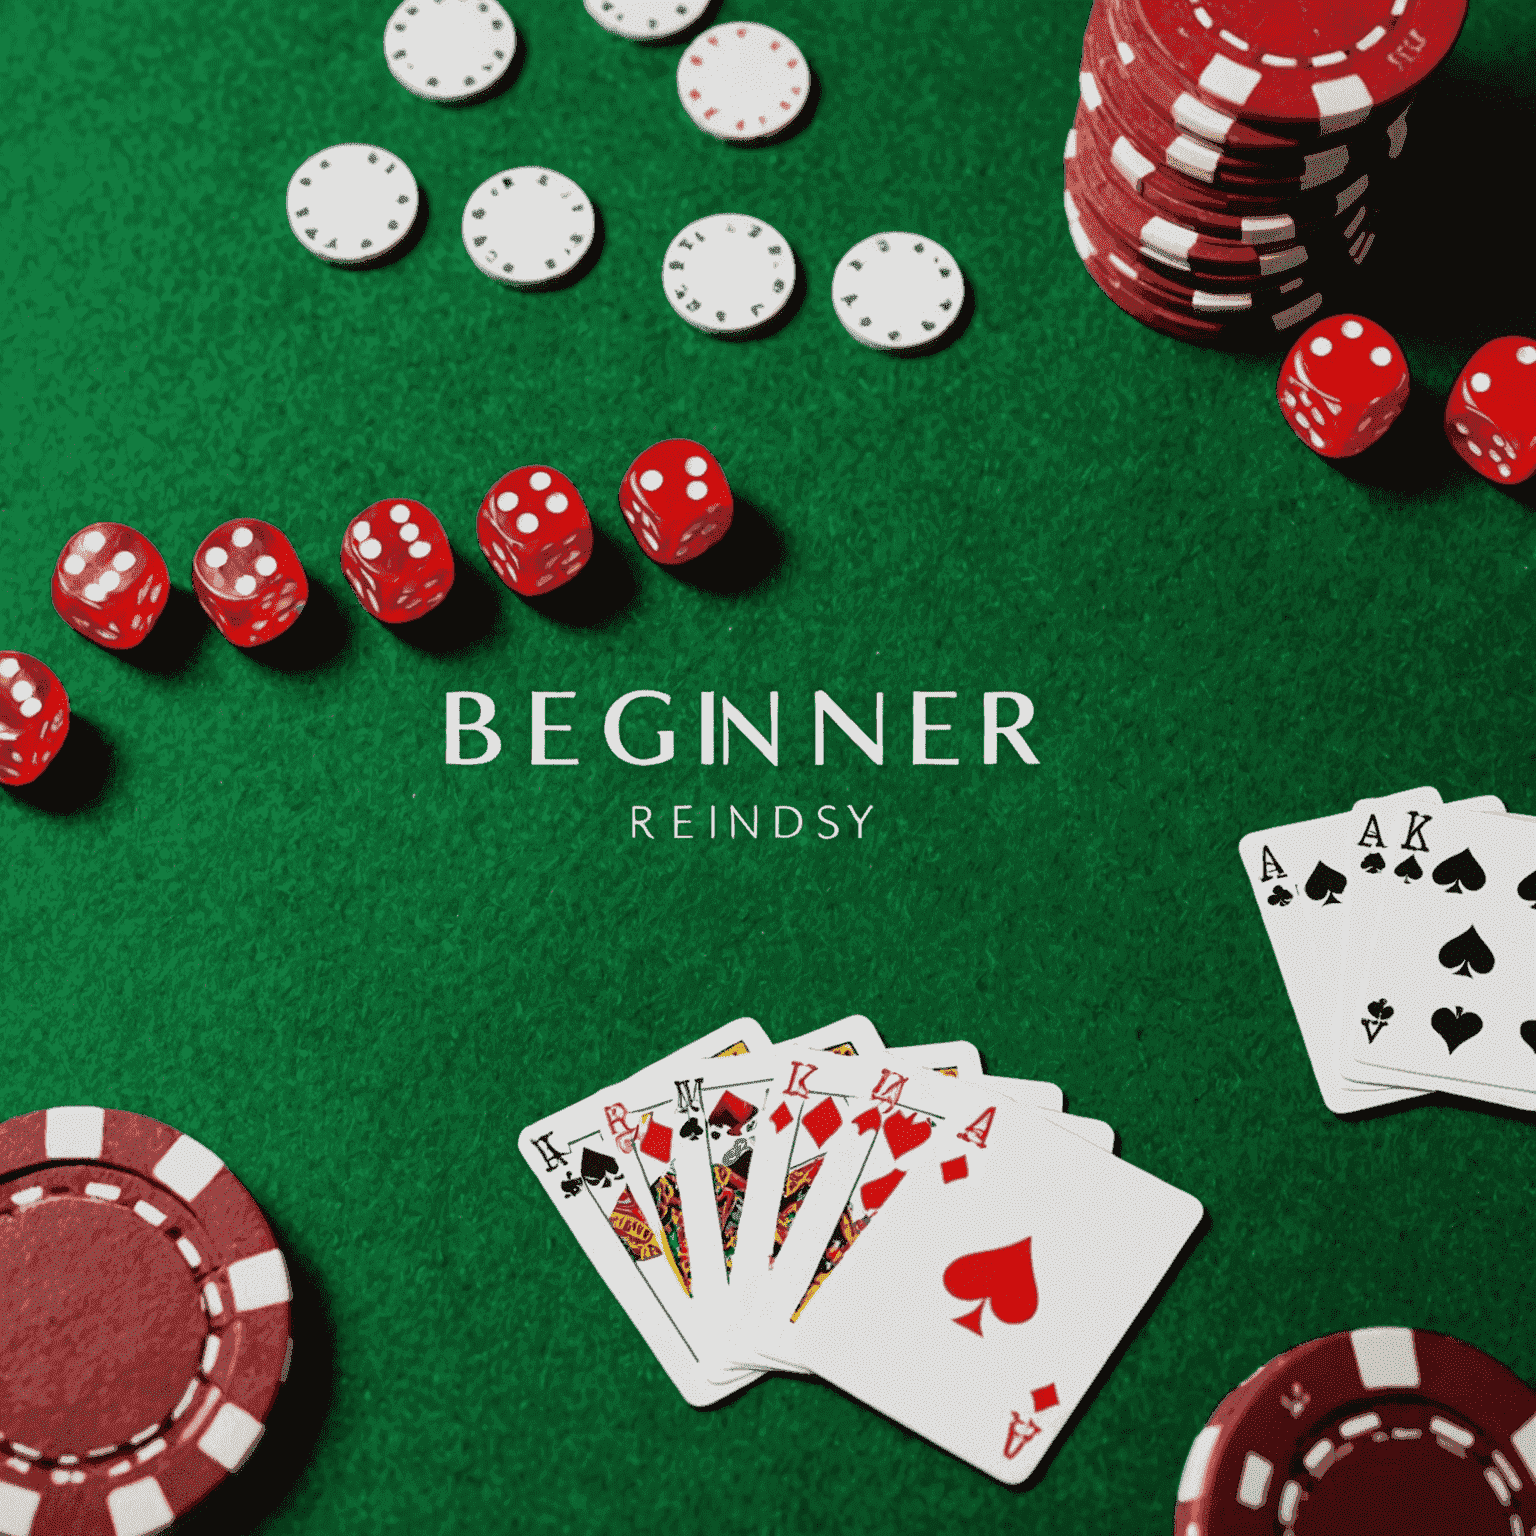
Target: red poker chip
x,y
145,1327
1251,221
1387,1431
1214,312
1176,241
1298,63
1181,168
1180,101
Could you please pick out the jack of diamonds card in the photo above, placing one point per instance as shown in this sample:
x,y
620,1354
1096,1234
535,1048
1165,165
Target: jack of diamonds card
x,y
1447,996
983,1304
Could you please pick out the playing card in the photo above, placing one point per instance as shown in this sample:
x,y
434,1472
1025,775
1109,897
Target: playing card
x,y
1447,995
887,1113
683,1139
983,1304
1307,879
569,1156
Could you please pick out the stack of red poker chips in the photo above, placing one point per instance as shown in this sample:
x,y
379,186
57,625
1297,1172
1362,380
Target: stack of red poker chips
x,y
1229,157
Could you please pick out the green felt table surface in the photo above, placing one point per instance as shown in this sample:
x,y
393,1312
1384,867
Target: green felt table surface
x,y
253,900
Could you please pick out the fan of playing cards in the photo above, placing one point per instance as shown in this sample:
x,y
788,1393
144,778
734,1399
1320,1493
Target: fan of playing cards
x,y
946,1246
1405,930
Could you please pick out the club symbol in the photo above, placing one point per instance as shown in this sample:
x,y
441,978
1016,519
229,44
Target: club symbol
x,y
691,1130
1461,872
571,1185
1380,1012
1373,863
1467,953
1408,871
1325,885
1455,1026
1280,897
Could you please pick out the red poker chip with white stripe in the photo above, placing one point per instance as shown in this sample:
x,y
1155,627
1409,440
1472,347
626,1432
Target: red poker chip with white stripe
x,y
1295,61
145,1326
1380,1430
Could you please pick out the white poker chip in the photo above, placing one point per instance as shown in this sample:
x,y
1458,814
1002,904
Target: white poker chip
x,y
897,291
743,81
352,203
728,273
527,226
449,50
640,19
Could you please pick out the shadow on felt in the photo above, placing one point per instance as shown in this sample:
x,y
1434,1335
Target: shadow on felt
x,y
465,619
79,776
243,1504
316,639
749,556
167,650
1451,271
600,594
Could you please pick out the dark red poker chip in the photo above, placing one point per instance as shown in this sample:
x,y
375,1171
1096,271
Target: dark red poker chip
x,y
1297,62
1378,1432
144,1328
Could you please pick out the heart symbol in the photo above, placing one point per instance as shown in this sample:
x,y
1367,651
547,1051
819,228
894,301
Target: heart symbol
x,y
1003,1276
1456,1027
903,1132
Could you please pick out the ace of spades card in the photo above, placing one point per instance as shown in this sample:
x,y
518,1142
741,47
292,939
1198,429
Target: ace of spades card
x,y
983,1304
1318,885
1446,997
893,1114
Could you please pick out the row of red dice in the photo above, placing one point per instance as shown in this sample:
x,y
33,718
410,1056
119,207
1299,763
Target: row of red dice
x,y
1346,381
111,584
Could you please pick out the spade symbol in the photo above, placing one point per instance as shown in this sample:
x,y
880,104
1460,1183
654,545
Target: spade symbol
x,y
1373,863
1280,897
1526,890
1003,1276
1380,1012
597,1168
1460,872
1325,885
691,1130
1409,870
1456,1027
1467,953
1528,1033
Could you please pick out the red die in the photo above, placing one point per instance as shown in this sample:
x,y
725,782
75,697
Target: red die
x,y
249,580
675,500
110,583
1491,415
1343,385
34,717
534,529
397,559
